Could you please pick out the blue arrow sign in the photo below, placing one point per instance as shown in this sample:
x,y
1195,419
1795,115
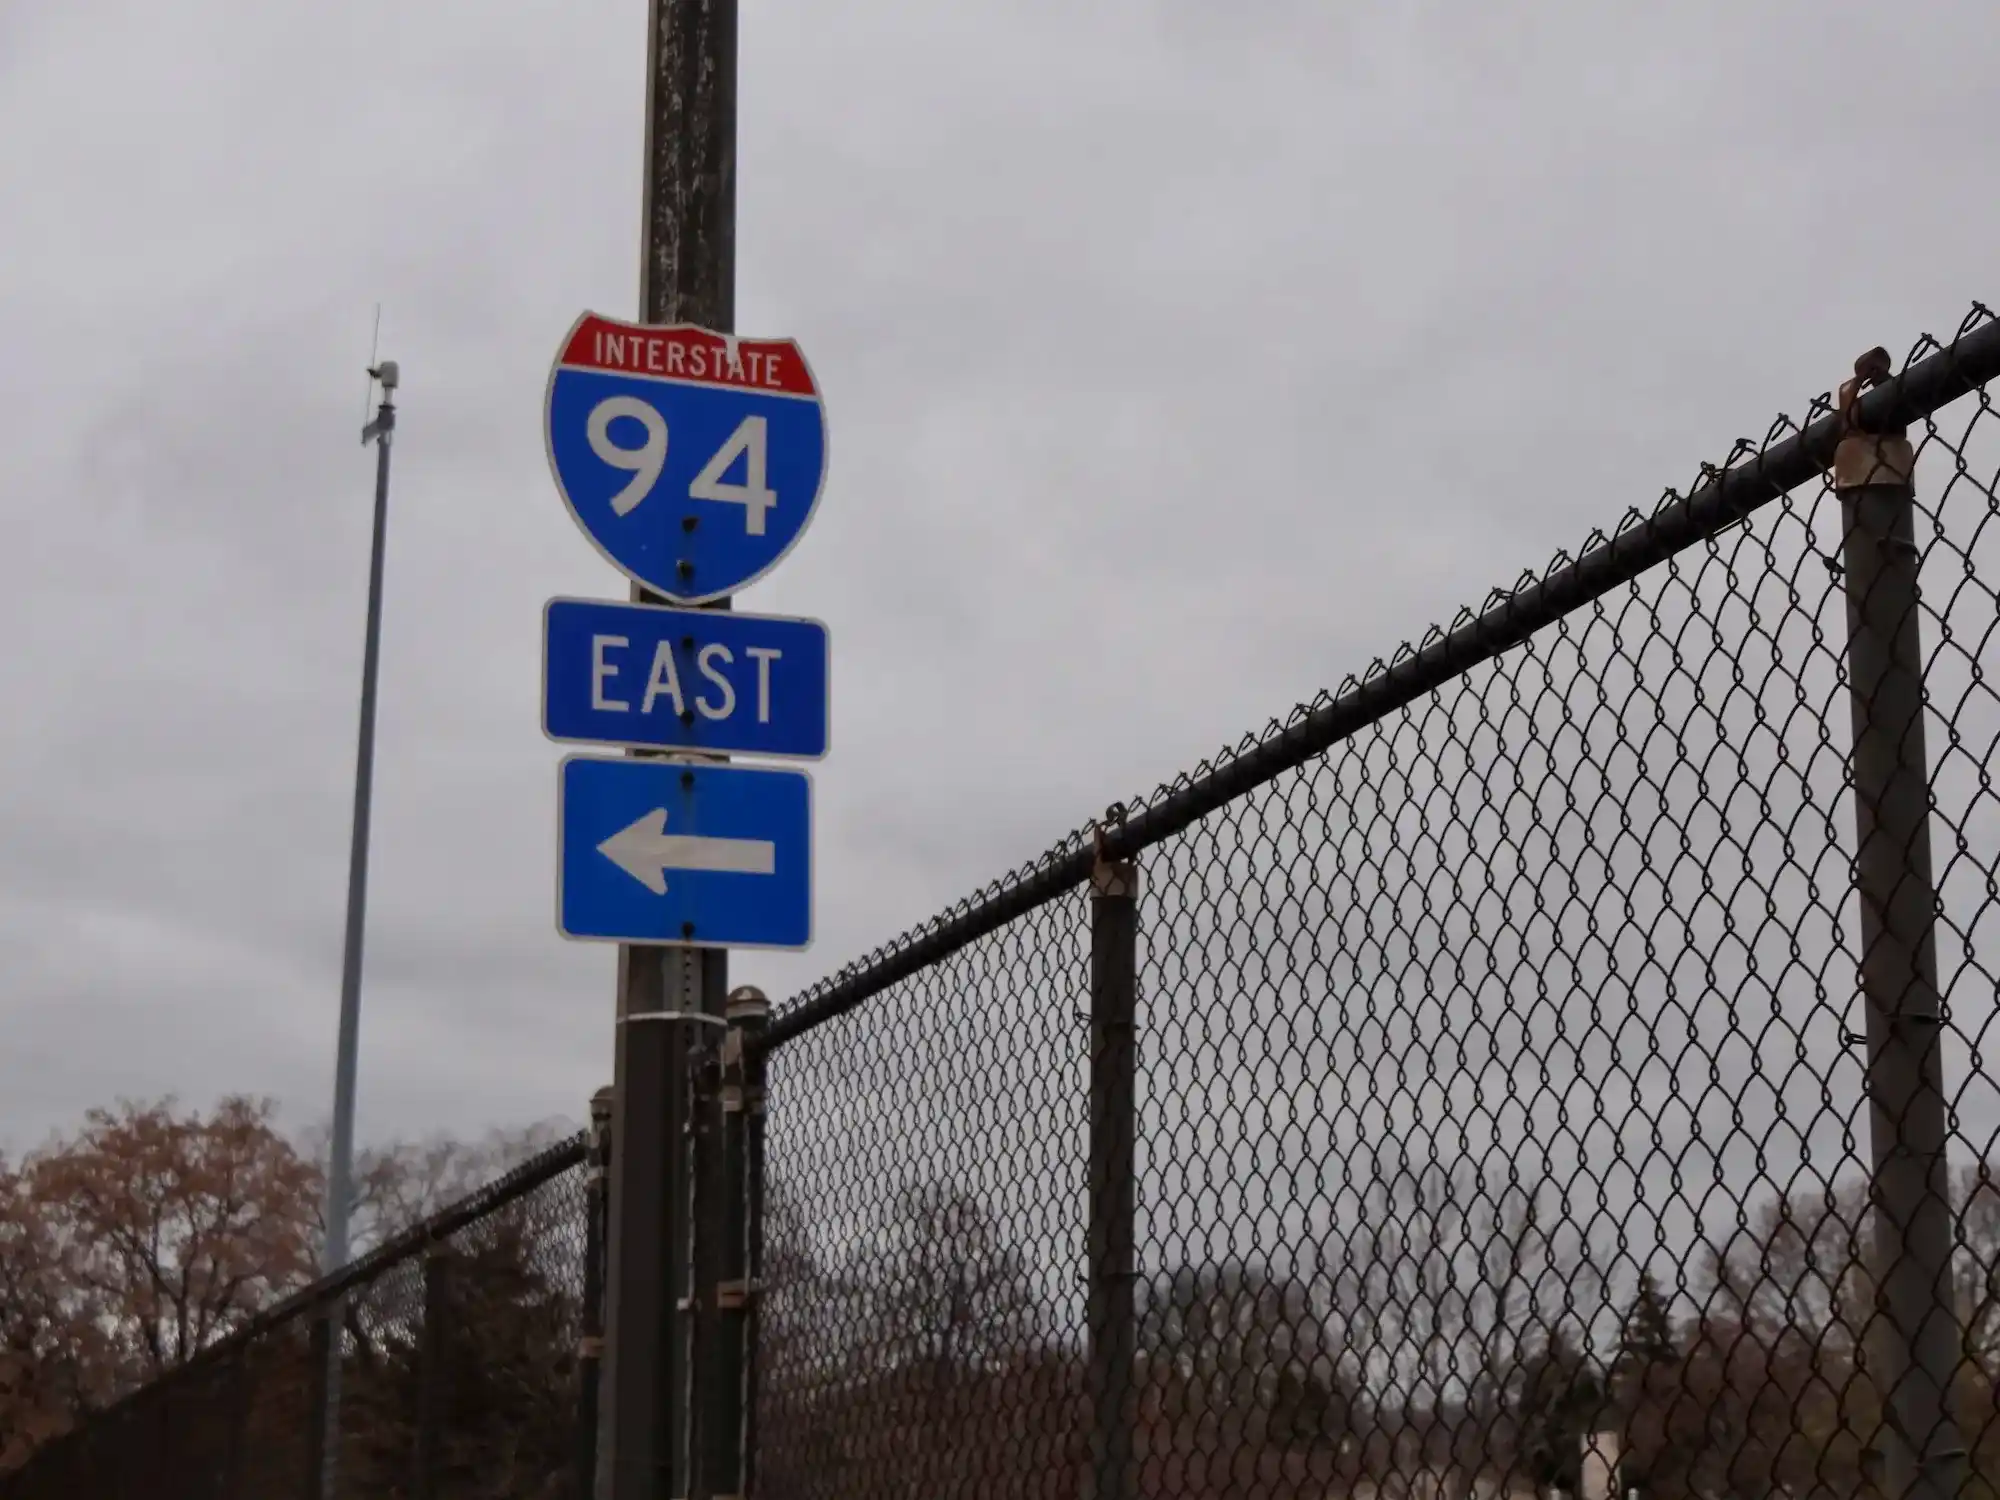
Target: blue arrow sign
x,y
705,856
683,679
692,460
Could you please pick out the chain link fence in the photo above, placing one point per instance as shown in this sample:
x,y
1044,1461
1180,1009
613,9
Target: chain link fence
x,y
459,1374
1552,1063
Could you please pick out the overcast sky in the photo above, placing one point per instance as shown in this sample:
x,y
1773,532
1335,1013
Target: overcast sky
x,y
1180,358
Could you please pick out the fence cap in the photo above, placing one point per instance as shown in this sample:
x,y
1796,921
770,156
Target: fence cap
x,y
1867,457
747,1003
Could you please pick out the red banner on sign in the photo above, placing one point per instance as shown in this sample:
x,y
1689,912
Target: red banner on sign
x,y
684,352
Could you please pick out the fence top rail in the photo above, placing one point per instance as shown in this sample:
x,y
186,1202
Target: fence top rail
x,y
1933,376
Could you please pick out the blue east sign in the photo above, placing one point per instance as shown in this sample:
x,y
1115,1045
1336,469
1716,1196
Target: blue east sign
x,y
684,679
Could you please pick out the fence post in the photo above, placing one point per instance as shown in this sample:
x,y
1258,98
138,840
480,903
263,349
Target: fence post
x,y
590,1341
755,1094
1114,967
169,1460
723,1290
1914,1342
321,1339
433,1376
160,1463
737,1289
231,1486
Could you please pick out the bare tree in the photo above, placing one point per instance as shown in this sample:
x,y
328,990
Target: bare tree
x,y
960,1293
1235,1343
399,1183
1799,1262
946,1363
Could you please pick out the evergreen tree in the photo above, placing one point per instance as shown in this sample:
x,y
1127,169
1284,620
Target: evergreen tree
x,y
1646,1343
1556,1398
1644,1375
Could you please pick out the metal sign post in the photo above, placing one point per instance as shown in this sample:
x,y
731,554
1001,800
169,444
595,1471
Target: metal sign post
x,y
693,460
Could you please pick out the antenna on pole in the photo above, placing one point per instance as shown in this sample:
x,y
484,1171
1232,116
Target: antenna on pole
x,y
374,354
387,374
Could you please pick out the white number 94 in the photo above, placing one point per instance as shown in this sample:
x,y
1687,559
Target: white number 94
x,y
644,462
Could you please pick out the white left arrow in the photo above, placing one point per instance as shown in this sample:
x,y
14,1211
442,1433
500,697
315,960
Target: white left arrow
x,y
645,850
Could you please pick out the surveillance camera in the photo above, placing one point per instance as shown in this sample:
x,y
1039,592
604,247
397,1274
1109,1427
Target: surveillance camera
x,y
387,373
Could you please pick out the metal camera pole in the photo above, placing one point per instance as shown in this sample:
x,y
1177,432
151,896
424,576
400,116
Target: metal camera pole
x,y
340,1166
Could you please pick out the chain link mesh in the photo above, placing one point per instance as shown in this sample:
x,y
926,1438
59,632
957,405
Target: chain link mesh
x,y
1501,1098
463,1361
924,1229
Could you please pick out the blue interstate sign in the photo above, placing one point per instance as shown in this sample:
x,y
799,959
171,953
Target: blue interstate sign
x,y
705,856
692,460
683,679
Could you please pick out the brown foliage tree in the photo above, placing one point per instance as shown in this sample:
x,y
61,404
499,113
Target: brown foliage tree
x,y
128,1246
52,1351
179,1226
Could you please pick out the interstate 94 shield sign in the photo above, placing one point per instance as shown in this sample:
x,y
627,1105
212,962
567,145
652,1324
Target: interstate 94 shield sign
x,y
691,459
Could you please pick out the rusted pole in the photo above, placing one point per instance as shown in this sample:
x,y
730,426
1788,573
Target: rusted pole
x,y
655,1321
